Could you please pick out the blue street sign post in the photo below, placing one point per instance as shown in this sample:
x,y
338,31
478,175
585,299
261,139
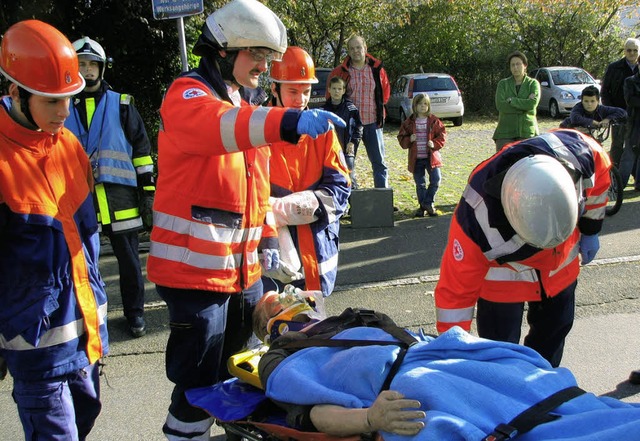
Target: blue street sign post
x,y
165,9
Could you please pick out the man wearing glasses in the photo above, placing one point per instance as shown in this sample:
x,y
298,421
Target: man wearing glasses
x,y
213,225
612,93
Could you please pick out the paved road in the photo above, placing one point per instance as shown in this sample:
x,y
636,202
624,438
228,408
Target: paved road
x,y
393,270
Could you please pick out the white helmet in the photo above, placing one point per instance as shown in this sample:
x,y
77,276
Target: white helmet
x,y
540,200
241,24
92,50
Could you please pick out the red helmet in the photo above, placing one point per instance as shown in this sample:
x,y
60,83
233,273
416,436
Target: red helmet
x,y
296,66
40,59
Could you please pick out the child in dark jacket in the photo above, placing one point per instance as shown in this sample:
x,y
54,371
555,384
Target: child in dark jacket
x,y
350,136
423,134
589,113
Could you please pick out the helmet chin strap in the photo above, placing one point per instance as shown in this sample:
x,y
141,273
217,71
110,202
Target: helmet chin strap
x,y
92,83
24,105
225,65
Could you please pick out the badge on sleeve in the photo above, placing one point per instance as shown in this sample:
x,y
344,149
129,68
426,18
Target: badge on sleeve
x,y
458,252
193,93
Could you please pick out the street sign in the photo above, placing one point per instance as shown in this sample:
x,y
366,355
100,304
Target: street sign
x,y
163,9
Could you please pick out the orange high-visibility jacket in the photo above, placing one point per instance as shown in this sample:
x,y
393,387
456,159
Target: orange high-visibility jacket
x,y
317,165
53,306
485,258
212,193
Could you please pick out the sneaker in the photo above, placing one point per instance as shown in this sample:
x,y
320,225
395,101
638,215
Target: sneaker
x,y
419,212
137,326
431,211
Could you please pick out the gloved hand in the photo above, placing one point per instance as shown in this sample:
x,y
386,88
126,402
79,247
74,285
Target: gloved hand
x,y
290,267
589,246
146,209
270,259
295,209
316,122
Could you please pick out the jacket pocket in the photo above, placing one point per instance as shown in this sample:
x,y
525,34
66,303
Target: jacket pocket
x,y
31,321
216,216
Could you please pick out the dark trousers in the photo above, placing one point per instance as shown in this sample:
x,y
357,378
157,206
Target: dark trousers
x,y
617,144
550,321
62,408
206,329
125,248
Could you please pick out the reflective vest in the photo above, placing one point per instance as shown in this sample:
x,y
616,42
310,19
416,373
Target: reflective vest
x,y
484,256
211,207
53,306
317,165
104,142
112,160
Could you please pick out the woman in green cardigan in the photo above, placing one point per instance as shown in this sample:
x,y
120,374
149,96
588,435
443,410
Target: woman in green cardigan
x,y
516,99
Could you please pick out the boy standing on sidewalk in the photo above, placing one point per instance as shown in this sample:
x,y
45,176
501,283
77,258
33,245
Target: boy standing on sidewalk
x,y
350,136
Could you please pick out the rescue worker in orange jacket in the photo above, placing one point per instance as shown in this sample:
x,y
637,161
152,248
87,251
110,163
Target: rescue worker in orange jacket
x,y
309,187
212,200
525,216
53,306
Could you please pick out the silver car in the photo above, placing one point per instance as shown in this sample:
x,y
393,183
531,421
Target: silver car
x,y
446,99
561,87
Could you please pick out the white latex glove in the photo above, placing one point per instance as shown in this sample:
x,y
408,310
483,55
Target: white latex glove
x,y
295,209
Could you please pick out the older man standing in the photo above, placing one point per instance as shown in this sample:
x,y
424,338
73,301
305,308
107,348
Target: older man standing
x,y
612,93
368,88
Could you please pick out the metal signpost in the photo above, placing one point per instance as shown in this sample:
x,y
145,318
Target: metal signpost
x,y
164,9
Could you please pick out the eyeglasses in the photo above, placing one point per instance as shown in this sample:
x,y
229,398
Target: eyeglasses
x,y
631,50
260,55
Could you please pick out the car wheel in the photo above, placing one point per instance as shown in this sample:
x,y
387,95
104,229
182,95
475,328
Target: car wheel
x,y
554,111
402,116
457,121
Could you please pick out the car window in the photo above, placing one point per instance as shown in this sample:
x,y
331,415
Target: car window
x,y
433,84
400,85
543,75
570,76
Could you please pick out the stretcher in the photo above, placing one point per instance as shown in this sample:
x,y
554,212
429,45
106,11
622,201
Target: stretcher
x,y
240,407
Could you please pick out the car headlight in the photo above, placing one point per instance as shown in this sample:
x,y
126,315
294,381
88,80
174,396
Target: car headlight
x,y
567,95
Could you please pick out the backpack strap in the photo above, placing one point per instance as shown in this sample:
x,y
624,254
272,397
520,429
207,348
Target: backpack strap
x,y
534,416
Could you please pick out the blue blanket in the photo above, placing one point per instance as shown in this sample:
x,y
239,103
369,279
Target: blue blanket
x,y
467,386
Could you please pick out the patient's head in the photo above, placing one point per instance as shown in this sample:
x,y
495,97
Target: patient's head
x,y
279,313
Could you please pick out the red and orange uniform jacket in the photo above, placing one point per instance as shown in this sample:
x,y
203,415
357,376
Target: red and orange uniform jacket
x,y
211,208
485,258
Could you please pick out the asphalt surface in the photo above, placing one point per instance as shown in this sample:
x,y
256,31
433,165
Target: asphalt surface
x,y
393,270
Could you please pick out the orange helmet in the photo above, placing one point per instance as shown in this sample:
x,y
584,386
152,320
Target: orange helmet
x,y
296,66
40,59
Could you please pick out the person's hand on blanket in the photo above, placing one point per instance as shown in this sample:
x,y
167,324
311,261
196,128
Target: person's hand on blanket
x,y
390,412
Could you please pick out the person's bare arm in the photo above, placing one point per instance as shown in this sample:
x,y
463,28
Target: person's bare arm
x,y
391,412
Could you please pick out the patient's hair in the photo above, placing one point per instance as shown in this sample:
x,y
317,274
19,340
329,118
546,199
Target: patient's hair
x,y
268,306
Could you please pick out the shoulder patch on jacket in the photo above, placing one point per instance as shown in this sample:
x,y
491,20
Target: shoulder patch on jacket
x,y
193,92
458,252
126,99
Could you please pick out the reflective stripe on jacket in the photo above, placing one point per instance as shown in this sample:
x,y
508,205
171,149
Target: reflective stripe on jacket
x,y
485,258
317,165
52,299
212,197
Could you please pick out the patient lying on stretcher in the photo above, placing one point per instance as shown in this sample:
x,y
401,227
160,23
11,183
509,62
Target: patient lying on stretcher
x,y
377,377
